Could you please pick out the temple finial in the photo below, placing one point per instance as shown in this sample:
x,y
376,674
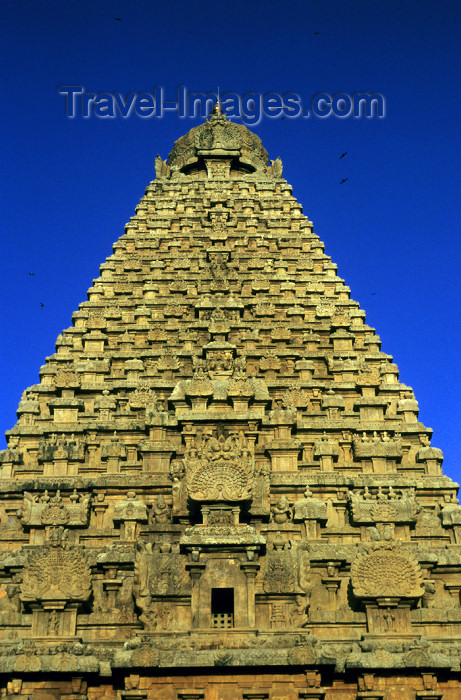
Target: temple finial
x,y
217,112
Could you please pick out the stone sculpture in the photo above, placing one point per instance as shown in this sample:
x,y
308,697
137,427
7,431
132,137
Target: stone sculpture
x,y
220,475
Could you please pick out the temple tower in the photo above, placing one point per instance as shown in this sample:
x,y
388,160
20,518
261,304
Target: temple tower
x,y
220,488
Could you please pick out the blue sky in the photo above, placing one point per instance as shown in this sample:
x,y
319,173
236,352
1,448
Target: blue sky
x,y
69,185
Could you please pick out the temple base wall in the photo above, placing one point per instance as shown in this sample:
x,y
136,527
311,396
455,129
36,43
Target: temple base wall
x,y
417,685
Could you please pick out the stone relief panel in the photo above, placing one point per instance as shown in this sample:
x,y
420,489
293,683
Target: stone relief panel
x,y
56,571
280,572
383,507
53,510
386,571
159,576
219,468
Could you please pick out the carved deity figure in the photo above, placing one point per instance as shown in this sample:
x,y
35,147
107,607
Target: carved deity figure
x,y
53,623
281,511
218,267
178,489
161,511
429,595
219,363
299,616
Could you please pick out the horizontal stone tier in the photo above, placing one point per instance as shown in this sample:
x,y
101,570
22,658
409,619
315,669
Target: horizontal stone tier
x,y
297,480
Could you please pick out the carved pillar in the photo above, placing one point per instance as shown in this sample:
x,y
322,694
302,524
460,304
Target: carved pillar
x,y
306,369
250,570
431,689
332,583
92,445
156,455
195,571
432,458
111,586
312,512
99,508
9,458
112,452
313,690
345,445
59,467
368,688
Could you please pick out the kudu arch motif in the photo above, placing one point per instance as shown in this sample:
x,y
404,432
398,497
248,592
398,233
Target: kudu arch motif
x,y
219,468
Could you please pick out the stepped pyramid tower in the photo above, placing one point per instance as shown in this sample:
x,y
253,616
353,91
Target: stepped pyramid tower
x,y
220,488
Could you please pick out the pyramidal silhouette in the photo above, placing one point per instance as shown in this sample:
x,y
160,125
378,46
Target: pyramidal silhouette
x,y
220,488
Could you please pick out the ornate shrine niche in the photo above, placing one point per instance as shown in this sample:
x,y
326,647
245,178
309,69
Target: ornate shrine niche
x,y
385,514
162,588
284,586
220,488
129,514
388,580
42,513
56,581
223,592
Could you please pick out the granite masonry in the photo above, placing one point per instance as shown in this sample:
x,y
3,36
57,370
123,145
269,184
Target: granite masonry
x,y
220,488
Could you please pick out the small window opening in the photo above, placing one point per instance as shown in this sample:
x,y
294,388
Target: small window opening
x,y
222,608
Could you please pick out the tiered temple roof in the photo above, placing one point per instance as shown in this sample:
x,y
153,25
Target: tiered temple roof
x,y
220,487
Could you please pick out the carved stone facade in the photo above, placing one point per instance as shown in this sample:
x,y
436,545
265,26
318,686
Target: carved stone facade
x,y
220,489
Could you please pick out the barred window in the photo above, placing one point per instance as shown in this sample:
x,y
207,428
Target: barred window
x,y
222,608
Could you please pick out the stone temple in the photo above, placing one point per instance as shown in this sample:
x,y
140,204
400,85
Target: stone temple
x,y
220,488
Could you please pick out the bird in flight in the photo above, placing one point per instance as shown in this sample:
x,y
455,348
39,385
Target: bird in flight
x,y
343,180
32,274
118,19
315,33
342,155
